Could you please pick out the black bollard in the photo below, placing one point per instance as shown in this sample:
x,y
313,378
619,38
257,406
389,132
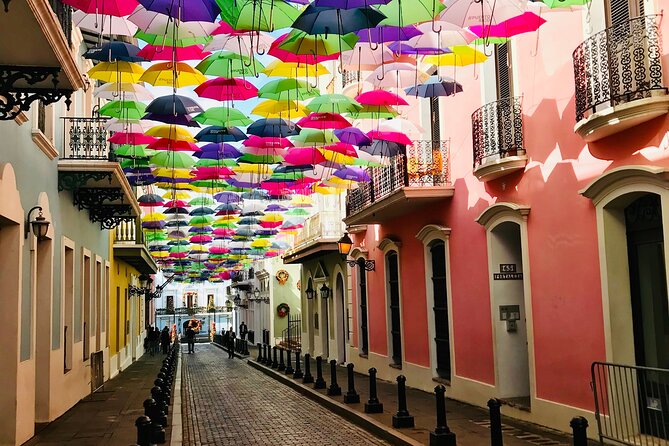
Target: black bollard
x,y
282,366
245,345
298,371
150,409
334,389
268,359
259,359
373,405
402,418
579,426
307,378
442,435
351,396
320,382
143,425
289,363
496,438
275,363
157,434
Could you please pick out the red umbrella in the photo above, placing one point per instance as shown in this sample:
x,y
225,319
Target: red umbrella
x,y
380,97
227,89
399,138
300,156
342,148
133,139
324,121
118,8
176,204
193,52
287,56
177,146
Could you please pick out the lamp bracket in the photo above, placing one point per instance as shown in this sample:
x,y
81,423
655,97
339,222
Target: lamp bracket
x,y
370,265
92,197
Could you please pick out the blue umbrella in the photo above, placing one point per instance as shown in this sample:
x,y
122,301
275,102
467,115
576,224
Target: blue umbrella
x,y
219,134
435,87
174,104
115,51
273,128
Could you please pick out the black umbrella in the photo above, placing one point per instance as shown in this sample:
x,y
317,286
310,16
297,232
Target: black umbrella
x,y
273,128
325,20
219,134
384,148
435,87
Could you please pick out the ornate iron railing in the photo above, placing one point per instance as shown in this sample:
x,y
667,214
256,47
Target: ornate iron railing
x,y
349,77
64,15
497,130
86,138
425,164
618,65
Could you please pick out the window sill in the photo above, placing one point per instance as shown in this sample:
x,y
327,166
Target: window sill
x,y
44,144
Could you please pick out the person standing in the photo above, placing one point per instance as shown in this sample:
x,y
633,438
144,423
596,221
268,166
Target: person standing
x,y
190,339
243,330
165,339
231,343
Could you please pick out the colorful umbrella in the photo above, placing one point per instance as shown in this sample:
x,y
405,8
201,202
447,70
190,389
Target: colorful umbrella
x,y
170,74
227,89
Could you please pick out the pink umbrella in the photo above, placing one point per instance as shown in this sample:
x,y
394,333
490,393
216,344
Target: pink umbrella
x,y
342,148
177,146
176,204
200,239
399,138
193,52
267,142
303,155
227,89
270,224
133,139
118,8
524,23
324,121
380,97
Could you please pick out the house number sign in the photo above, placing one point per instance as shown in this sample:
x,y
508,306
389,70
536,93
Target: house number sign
x,y
507,271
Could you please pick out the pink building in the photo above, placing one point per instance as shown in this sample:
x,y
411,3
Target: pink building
x,y
524,240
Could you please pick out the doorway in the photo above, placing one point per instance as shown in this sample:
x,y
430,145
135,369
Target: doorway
x,y
509,316
340,305
362,292
325,332
440,308
650,311
393,296
43,309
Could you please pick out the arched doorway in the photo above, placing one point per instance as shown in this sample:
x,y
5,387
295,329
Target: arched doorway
x,y
340,306
437,262
393,297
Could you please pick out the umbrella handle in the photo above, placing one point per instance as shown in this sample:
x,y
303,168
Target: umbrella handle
x,y
258,46
376,45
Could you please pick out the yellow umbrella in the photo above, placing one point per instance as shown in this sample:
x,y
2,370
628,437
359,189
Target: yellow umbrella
x,y
272,217
199,248
261,243
172,173
253,168
337,157
181,186
228,218
460,56
154,216
340,183
290,69
280,109
160,254
117,72
326,190
170,131
176,195
167,74
301,201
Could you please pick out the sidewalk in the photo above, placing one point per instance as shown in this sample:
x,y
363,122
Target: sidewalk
x,y
108,416
469,423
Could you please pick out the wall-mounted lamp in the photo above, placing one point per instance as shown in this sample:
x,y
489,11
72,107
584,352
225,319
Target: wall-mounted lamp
x,y
325,292
39,225
344,245
309,292
256,294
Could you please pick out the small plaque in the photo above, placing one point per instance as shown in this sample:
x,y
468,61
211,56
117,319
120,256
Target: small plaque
x,y
507,267
507,276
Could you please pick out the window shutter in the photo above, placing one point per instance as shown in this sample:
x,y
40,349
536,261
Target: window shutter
x,y
619,11
435,132
503,71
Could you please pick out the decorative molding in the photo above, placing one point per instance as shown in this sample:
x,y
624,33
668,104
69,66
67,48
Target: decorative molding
x,y
92,197
21,118
622,176
429,231
389,242
358,251
75,180
516,210
44,144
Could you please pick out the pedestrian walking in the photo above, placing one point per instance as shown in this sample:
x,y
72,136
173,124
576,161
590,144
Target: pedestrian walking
x,y
191,326
231,343
165,339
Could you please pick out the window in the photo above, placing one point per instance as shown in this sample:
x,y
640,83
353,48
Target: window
x,y
68,291
503,70
86,296
621,11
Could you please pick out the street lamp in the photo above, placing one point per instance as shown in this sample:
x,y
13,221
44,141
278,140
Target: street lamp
x,y
309,292
228,305
344,245
39,225
256,294
325,292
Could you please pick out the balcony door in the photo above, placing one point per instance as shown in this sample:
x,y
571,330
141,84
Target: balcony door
x,y
440,308
362,295
393,296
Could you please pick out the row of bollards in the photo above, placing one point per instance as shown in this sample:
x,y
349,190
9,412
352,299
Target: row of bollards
x,y
150,426
440,436
241,346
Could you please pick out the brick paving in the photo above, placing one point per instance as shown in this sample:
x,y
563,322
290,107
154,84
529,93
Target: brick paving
x,y
227,402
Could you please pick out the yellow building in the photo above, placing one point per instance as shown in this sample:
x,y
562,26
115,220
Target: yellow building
x,y
130,268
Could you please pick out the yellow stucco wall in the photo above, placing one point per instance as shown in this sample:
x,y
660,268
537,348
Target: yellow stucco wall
x,y
119,304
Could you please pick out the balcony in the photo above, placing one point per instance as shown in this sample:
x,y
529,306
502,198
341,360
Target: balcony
x,y
129,246
497,134
37,61
419,177
318,236
618,77
86,169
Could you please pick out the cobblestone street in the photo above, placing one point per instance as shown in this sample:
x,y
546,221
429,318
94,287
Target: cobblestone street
x,y
226,402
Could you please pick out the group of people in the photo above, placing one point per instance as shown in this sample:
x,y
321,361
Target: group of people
x,y
156,339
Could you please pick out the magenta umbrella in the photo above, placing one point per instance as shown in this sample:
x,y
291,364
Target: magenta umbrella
x,y
357,174
226,89
118,8
399,138
524,23
324,121
168,53
300,156
380,97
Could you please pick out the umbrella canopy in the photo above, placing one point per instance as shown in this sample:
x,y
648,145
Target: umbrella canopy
x,y
327,20
173,104
191,10
224,116
227,89
178,54
300,42
118,8
114,51
124,91
259,15
465,13
119,26
219,134
119,71
279,109
286,90
172,74
334,103
524,23
273,127
435,87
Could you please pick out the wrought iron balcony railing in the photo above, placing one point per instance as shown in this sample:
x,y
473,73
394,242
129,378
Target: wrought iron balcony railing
x,y
497,130
349,77
425,164
64,15
86,139
621,64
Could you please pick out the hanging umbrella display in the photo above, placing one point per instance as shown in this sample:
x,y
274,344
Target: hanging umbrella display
x,y
273,127
459,56
185,10
286,90
334,103
117,72
434,87
219,134
118,8
407,13
123,109
174,104
227,89
177,54
324,121
524,23
124,91
465,13
279,109
229,64
111,25
288,56
327,20
259,15
171,74
223,116
299,42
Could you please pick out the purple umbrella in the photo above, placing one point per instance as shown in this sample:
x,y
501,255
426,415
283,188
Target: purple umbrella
x,y
227,197
185,10
382,34
275,208
349,4
353,136
357,174
217,151
172,119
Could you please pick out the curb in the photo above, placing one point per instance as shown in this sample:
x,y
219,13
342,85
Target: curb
x,y
176,433
367,423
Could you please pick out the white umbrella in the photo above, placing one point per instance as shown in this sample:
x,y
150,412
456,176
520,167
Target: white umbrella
x,y
465,13
123,91
129,126
363,58
441,34
396,75
243,44
156,23
102,24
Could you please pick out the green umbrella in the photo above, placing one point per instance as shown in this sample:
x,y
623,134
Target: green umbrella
x,y
564,3
334,103
224,224
213,184
201,220
229,64
297,212
202,201
176,160
260,159
123,110
128,151
400,13
299,42
206,162
314,137
286,90
223,116
496,40
374,112
167,40
133,163
258,15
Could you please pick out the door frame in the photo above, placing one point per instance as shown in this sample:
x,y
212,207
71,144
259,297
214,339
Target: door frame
x,y
386,246
490,218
